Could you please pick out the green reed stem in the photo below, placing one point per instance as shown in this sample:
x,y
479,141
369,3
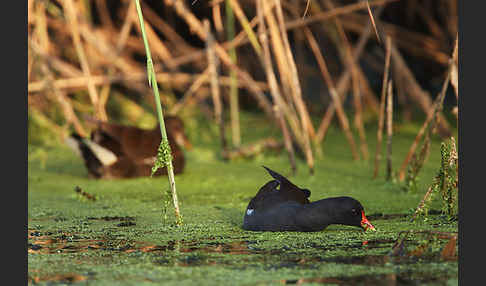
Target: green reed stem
x,y
234,108
161,159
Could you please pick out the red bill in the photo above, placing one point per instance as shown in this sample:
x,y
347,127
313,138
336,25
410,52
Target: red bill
x,y
365,224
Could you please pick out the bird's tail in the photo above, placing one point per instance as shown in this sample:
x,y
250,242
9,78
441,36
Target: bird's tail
x,y
94,155
281,179
285,182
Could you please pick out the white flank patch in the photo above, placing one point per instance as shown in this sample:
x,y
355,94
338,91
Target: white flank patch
x,y
249,211
73,144
104,155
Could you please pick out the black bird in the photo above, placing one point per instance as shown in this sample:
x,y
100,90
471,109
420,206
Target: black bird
x,y
120,151
289,209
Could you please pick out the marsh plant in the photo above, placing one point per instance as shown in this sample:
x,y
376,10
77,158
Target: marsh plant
x,y
417,161
164,157
445,182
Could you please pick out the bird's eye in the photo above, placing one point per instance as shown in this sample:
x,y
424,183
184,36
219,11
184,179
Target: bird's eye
x,y
354,211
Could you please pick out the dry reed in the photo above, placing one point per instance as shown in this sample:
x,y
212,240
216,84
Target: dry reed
x,y
99,57
389,130
379,134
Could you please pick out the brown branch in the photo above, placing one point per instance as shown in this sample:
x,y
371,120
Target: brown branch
x,y
213,75
30,19
59,96
389,125
279,104
156,44
454,69
347,57
372,20
63,101
253,149
246,25
124,34
71,14
285,74
218,23
323,16
197,28
40,31
432,118
120,44
343,82
332,90
186,99
233,90
176,79
401,72
240,39
159,23
307,127
415,43
104,13
379,134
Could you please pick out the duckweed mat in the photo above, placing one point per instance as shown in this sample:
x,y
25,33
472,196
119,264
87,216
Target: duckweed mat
x,y
121,232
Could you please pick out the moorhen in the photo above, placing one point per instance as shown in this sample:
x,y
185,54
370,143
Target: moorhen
x,y
289,209
120,151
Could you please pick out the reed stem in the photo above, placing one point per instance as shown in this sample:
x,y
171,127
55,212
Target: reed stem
x,y
233,94
389,128
153,83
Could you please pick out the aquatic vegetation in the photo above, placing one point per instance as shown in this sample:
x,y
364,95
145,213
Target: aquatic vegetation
x,y
445,182
122,238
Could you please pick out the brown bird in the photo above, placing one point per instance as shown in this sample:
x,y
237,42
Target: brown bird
x,y
120,151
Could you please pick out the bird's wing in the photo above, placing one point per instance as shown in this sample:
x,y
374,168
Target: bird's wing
x,y
288,190
266,196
